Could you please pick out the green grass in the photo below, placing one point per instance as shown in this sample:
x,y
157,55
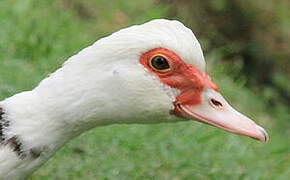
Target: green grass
x,y
37,36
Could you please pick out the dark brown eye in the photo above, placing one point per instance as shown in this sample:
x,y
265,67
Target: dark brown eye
x,y
160,63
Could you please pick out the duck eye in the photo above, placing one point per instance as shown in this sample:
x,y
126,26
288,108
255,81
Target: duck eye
x,y
160,63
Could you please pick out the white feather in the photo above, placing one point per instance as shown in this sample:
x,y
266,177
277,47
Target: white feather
x,y
103,84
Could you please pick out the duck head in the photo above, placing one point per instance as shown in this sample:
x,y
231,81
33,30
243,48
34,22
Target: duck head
x,y
147,73
198,98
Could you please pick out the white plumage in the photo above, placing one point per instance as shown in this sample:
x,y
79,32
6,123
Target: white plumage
x,y
103,84
76,97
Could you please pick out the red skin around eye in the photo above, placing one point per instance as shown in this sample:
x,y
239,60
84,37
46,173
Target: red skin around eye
x,y
183,76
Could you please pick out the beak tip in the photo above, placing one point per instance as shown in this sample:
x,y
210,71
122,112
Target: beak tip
x,y
265,136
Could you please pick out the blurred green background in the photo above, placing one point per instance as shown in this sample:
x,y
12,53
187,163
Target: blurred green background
x,y
247,49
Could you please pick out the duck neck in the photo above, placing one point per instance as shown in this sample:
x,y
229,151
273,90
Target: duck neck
x,y
36,121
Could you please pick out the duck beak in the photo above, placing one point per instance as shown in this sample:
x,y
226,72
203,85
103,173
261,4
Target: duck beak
x,y
214,110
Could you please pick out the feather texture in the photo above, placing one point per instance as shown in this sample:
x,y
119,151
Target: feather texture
x,y
103,84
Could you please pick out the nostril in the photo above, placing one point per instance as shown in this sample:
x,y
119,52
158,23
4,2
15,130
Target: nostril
x,y
216,103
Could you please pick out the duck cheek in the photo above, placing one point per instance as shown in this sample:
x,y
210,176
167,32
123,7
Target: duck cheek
x,y
189,97
161,109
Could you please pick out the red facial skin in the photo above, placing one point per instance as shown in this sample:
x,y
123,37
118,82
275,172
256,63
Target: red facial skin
x,y
183,76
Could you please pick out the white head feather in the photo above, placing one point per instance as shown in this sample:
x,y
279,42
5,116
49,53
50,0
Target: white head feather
x,y
102,84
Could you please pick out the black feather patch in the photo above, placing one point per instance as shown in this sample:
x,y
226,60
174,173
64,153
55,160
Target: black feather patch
x,y
15,142
15,145
1,125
